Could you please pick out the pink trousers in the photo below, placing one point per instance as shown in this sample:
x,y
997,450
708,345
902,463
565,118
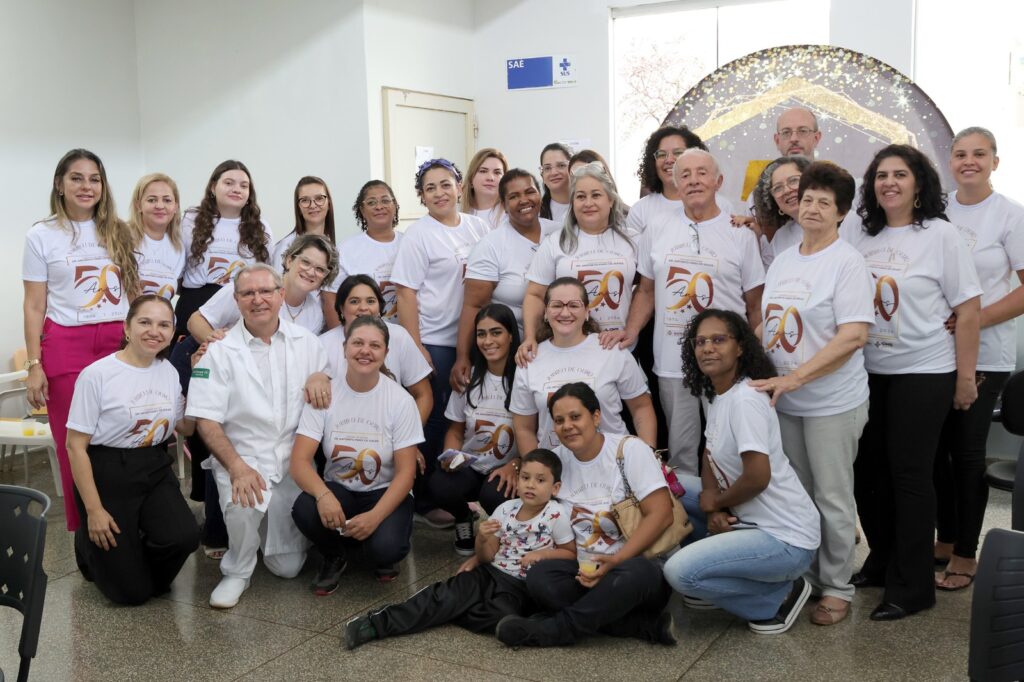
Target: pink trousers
x,y
65,352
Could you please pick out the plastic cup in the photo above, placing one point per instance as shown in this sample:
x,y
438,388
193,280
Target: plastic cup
x,y
588,562
28,427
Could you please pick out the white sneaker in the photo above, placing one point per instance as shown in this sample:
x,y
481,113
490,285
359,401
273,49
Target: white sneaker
x,y
227,592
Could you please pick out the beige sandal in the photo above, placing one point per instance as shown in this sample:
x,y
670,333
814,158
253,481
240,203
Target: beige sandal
x,y
828,615
215,553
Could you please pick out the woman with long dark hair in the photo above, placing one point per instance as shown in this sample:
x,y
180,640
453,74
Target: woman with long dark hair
x,y
314,214
554,173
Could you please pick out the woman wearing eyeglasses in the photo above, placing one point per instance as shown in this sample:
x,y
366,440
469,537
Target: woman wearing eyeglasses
x,y
371,252
776,206
554,173
314,214
481,196
663,203
570,351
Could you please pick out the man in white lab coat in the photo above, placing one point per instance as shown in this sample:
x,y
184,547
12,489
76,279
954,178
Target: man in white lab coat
x,y
246,394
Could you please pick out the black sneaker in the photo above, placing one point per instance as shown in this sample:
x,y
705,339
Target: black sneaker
x,y
663,630
464,543
788,612
326,581
537,630
359,631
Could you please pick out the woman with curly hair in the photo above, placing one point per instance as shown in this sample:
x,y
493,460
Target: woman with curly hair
x,y
661,150
776,205
221,235
763,528
916,371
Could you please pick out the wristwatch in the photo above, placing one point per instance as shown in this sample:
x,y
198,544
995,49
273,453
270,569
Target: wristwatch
x,y
29,364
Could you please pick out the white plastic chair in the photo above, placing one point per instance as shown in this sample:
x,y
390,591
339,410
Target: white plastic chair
x,y
14,403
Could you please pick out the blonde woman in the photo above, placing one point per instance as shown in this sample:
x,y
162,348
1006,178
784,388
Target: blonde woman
x,y
481,197
155,221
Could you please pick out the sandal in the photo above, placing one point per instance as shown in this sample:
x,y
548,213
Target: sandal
x,y
828,615
215,553
949,574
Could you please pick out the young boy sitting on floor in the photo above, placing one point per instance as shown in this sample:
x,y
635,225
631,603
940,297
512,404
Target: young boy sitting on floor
x,y
520,533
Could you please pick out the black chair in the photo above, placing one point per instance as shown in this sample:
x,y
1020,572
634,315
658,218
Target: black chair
x,y
22,580
997,609
1008,474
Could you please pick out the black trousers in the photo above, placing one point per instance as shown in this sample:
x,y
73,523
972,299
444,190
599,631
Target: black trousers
x,y
452,490
475,600
625,603
960,486
389,543
893,482
140,491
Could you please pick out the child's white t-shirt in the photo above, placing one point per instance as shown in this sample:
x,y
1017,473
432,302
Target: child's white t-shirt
x,y
517,538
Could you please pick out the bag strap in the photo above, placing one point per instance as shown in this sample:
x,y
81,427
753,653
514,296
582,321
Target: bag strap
x,y
620,461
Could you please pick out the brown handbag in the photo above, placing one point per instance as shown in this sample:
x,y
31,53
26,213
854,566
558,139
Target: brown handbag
x,y
628,514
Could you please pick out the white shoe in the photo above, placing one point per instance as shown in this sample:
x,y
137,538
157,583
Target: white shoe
x,y
227,592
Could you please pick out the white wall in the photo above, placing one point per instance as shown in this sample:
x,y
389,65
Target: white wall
x,y
278,86
67,74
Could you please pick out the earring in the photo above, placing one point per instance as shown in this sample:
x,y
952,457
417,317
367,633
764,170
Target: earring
x,y
60,194
917,202
780,212
127,339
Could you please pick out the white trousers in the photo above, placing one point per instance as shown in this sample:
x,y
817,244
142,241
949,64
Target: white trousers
x,y
247,534
682,412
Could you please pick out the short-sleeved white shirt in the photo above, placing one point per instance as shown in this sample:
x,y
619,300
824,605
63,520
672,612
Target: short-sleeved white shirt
x,y
432,260
695,266
786,237
360,432
160,266
221,311
83,286
590,489
277,252
653,209
224,255
492,216
742,420
518,538
503,256
404,358
994,232
613,374
488,423
921,274
122,406
805,300
606,265
361,254
558,211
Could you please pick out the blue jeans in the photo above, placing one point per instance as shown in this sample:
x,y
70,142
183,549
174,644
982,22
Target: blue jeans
x,y
747,572
443,359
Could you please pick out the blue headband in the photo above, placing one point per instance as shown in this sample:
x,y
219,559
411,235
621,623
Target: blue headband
x,y
434,163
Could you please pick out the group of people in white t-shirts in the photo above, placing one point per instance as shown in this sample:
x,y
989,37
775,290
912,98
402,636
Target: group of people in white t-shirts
x,y
834,354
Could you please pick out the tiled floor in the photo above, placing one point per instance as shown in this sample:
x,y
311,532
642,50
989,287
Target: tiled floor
x,y
279,631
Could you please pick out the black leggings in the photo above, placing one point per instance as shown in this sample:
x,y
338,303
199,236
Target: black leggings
x,y
452,490
140,491
960,486
892,482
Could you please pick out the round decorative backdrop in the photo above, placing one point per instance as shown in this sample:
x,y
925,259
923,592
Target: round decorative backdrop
x,y
862,105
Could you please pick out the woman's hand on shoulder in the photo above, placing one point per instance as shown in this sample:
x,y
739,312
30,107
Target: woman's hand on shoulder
x,y
527,352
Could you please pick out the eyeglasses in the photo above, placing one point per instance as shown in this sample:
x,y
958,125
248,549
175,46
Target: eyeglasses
x,y
716,340
319,200
574,306
386,202
792,182
661,154
306,263
694,237
548,167
802,131
250,294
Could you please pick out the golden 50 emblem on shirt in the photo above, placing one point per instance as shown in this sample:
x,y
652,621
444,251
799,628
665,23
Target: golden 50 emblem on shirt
x,y
887,296
220,270
495,439
365,464
151,431
689,289
104,283
784,327
151,287
389,306
603,288
595,528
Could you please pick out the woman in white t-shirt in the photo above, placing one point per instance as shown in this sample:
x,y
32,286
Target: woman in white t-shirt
x,y
481,425
663,203
371,252
483,175
624,594
498,264
156,222
554,173
916,371
573,353
79,274
776,206
369,435
764,529
817,309
593,247
429,274
359,295
992,225
137,529
309,262
221,235
314,214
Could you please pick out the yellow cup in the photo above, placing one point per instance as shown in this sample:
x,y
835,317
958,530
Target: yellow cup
x,y
28,427
588,564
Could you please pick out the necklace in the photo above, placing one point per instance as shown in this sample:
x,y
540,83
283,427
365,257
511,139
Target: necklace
x,y
297,312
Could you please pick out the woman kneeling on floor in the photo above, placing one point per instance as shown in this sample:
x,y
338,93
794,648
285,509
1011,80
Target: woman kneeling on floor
x,y
764,529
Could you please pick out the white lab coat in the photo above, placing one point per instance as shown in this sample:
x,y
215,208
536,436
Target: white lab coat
x,y
232,394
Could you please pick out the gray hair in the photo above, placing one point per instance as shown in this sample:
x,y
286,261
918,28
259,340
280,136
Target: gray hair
x,y
693,151
303,242
258,267
569,239
976,130
765,206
